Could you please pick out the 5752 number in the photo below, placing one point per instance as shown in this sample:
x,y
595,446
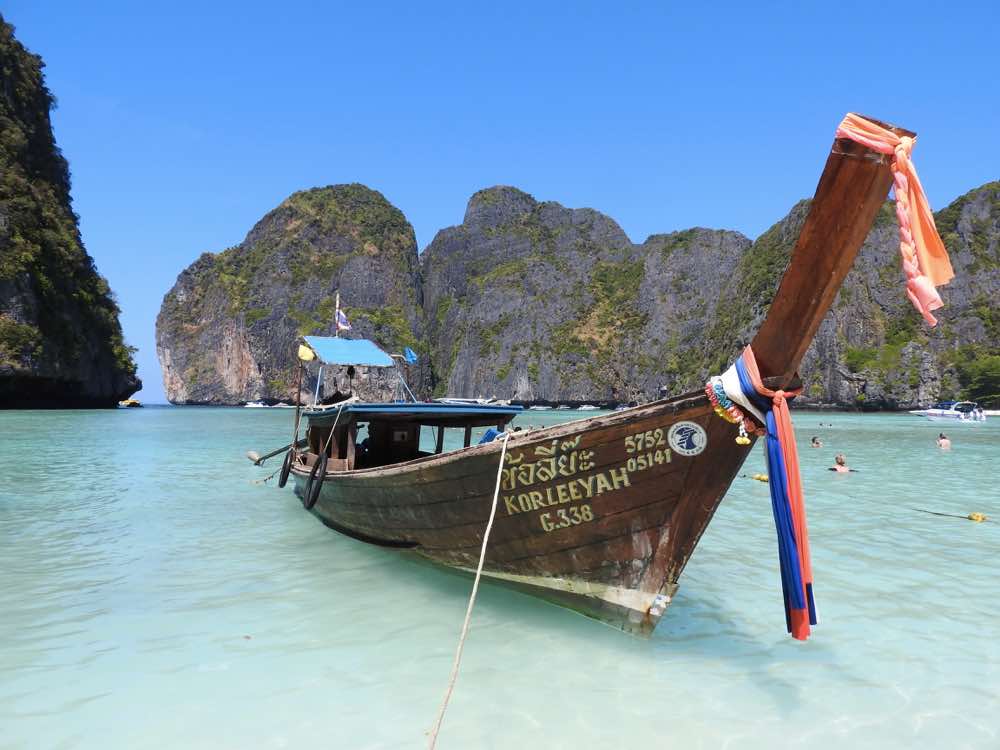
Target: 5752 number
x,y
645,440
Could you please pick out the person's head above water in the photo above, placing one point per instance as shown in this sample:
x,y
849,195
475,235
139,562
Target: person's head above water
x,y
840,459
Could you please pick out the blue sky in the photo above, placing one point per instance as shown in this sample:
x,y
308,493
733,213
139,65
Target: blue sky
x,y
186,123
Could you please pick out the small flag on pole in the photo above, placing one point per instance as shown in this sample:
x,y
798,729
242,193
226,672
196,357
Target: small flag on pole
x,y
410,356
343,324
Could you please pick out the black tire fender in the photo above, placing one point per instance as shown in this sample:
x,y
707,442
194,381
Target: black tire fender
x,y
286,468
315,483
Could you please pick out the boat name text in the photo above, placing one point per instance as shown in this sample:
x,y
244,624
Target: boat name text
x,y
580,488
557,459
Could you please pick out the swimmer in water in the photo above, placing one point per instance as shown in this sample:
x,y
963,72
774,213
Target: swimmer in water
x,y
815,442
943,442
841,466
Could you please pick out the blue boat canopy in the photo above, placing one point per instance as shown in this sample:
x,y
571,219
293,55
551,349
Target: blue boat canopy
x,y
336,351
420,411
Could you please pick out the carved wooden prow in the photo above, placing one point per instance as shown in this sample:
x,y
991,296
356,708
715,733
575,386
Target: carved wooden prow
x,y
852,188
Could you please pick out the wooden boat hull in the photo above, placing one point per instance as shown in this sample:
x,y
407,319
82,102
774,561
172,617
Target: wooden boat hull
x,y
598,515
602,514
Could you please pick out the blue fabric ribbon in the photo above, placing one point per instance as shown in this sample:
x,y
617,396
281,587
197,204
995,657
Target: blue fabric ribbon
x,y
788,551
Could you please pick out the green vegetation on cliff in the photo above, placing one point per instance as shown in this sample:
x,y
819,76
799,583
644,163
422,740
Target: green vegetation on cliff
x,y
57,314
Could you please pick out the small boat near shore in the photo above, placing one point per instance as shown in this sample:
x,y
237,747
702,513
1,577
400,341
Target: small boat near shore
x,y
602,514
129,403
955,412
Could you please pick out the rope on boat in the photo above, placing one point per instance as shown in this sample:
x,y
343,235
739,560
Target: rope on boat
x,y
268,478
329,437
472,600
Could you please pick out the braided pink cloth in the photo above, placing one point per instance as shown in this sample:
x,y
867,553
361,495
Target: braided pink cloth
x,y
925,260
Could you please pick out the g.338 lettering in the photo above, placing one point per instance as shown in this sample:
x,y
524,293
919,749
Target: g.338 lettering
x,y
565,517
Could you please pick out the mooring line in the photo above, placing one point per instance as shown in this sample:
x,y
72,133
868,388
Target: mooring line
x,y
472,600
268,478
977,517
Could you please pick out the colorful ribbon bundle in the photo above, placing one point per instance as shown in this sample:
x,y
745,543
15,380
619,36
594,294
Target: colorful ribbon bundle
x,y
787,500
715,389
741,386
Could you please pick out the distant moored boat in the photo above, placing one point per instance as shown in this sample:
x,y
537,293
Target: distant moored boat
x,y
956,412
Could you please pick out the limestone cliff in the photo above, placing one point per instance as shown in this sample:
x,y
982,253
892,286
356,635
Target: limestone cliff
x,y
227,330
531,301
61,342
534,301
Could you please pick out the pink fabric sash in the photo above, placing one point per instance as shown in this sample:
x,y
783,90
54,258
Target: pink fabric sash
x,y
925,259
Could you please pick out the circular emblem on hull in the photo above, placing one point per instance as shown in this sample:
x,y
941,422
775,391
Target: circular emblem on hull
x,y
687,438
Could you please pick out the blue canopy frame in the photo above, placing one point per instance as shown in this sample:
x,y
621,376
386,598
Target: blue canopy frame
x,y
337,351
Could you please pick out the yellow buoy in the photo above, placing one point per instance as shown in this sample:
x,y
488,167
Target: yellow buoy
x,y
977,517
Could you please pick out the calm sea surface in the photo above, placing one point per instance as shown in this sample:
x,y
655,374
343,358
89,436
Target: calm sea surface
x,y
153,596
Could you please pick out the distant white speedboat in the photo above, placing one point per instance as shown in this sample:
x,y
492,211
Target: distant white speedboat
x,y
588,407
562,407
539,408
255,405
956,412
465,401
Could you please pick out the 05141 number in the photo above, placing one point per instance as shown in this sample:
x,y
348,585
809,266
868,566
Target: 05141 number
x,y
565,517
646,460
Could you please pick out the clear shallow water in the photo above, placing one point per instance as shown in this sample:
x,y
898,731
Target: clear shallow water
x,y
151,596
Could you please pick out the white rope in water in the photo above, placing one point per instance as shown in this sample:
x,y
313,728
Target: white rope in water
x,y
472,600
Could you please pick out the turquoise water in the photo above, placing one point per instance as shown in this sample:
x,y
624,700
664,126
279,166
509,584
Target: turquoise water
x,y
154,597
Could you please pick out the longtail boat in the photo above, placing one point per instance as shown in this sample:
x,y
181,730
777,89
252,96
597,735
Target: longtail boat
x,y
602,514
